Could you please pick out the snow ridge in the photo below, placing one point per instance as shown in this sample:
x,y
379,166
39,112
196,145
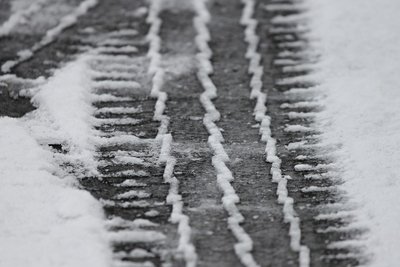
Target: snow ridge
x,y
51,35
19,16
244,245
185,245
256,71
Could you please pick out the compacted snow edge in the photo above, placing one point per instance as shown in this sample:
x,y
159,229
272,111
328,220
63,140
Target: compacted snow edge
x,y
47,216
358,42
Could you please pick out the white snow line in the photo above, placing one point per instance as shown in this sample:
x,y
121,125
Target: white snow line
x,y
113,68
288,62
151,213
288,30
185,245
115,85
124,33
113,75
105,59
339,215
305,104
321,176
117,42
319,167
298,68
133,194
135,224
260,109
19,16
297,54
130,236
244,246
118,50
285,7
116,121
65,22
305,79
131,183
109,98
301,115
354,227
298,128
295,45
126,204
347,244
129,160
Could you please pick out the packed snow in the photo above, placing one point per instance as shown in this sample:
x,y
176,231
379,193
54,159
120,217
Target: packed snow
x,y
64,114
44,216
359,45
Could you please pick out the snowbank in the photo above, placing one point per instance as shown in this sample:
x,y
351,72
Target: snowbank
x,y
64,114
359,42
45,221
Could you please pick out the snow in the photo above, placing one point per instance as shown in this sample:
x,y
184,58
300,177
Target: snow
x,y
360,54
20,13
151,213
45,218
64,114
51,34
136,223
139,235
133,194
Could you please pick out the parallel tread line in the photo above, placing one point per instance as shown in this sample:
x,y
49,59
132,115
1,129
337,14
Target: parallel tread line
x,y
244,246
256,84
185,245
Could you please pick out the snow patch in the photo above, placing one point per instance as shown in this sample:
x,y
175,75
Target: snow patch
x,y
46,216
359,46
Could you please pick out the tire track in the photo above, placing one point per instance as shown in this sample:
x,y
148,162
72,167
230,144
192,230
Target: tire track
x,y
89,31
185,245
50,35
264,218
256,70
199,189
20,15
130,181
244,244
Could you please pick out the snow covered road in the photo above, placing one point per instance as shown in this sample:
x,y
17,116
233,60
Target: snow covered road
x,y
197,133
